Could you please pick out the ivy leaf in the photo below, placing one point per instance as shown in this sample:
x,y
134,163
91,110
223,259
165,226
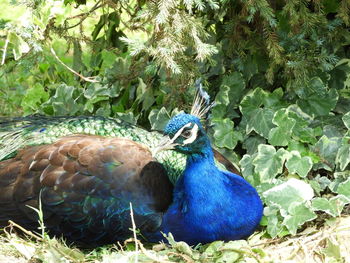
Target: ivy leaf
x,y
222,97
298,214
319,102
261,122
19,45
95,90
252,142
225,135
252,101
274,226
332,206
247,167
301,130
144,95
158,118
89,105
222,100
333,251
33,98
128,117
346,120
303,149
327,149
258,107
236,84
281,135
343,155
230,93
104,110
247,170
298,164
344,188
292,191
63,102
268,163
108,58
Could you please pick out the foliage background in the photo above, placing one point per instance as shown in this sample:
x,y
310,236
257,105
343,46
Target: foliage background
x,y
279,72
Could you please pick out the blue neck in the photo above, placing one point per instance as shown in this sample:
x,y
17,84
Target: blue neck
x,y
206,155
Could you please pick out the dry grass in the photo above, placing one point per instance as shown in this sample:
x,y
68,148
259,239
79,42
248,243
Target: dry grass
x,y
330,243
327,244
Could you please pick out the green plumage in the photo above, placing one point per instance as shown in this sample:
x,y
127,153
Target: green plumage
x,y
16,133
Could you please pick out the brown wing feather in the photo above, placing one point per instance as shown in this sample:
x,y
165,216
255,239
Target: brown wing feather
x,y
66,172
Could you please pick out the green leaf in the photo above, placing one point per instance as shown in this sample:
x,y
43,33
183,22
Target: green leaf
x,y
34,97
214,247
128,117
261,122
292,191
247,167
78,64
327,149
158,118
274,226
89,105
63,102
104,110
344,188
95,90
332,206
299,213
332,250
223,96
252,101
247,170
268,163
281,135
252,142
298,164
301,130
303,149
258,107
318,101
236,85
20,47
230,93
225,135
144,95
108,58
346,120
343,155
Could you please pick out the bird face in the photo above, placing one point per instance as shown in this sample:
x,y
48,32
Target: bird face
x,y
185,134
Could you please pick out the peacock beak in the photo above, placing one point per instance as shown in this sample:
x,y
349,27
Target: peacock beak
x,y
164,144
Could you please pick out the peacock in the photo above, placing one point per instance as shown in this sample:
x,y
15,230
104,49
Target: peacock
x,y
87,173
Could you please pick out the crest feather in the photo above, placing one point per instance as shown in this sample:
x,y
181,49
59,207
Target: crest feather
x,y
201,103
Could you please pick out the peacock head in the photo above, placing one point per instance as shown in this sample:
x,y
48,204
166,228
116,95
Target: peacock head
x,y
184,133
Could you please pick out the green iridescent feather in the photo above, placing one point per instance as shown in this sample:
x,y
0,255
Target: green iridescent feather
x,y
16,133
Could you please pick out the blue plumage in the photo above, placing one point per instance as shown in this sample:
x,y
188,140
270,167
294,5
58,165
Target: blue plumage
x,y
208,204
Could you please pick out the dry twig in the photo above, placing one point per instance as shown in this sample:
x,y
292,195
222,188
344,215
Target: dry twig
x,y
88,79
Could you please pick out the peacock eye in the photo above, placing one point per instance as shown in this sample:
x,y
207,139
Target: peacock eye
x,y
186,134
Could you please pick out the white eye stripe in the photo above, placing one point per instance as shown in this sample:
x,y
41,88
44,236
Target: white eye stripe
x,y
178,133
193,136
